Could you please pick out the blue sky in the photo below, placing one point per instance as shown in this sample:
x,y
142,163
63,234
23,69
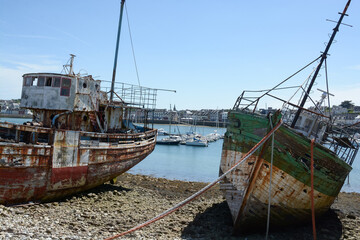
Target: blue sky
x,y
208,51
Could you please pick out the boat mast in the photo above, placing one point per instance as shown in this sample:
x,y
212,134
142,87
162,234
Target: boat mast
x,y
116,51
71,71
323,57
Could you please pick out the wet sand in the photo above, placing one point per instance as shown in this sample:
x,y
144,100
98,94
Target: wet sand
x,y
113,208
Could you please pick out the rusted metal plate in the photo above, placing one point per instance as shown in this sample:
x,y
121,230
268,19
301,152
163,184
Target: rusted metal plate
x,y
24,155
19,185
66,145
68,177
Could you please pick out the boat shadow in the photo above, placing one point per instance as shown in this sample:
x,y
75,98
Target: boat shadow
x,y
99,190
216,223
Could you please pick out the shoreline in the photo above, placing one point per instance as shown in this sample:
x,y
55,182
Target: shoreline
x,y
5,115
113,208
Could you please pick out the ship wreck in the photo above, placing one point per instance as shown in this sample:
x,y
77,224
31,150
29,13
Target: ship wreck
x,y
77,140
274,187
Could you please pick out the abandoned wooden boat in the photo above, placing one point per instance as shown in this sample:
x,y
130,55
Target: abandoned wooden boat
x,y
247,188
78,138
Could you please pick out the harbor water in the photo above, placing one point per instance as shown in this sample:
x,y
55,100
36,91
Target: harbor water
x,y
200,164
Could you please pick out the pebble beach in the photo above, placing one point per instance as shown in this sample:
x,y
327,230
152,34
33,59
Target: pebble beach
x,y
110,209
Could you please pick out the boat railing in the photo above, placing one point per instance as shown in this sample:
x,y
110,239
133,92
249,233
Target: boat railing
x,y
110,137
16,133
134,95
249,101
342,141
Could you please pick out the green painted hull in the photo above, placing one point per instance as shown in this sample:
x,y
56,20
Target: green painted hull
x,y
246,188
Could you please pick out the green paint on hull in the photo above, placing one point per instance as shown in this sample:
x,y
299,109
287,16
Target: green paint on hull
x,y
291,152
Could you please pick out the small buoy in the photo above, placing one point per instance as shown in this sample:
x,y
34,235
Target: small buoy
x,y
113,181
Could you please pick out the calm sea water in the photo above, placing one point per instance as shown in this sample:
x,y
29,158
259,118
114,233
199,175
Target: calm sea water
x,y
184,162
199,164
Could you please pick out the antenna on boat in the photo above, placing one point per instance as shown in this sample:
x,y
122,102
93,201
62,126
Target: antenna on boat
x,y
323,57
68,67
116,50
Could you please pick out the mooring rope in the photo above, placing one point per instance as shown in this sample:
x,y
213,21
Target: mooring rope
x,y
312,188
203,190
271,171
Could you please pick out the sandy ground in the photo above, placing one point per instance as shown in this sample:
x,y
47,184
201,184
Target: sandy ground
x,y
113,208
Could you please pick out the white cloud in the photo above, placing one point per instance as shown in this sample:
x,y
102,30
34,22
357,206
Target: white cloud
x,y
10,82
34,67
11,74
28,36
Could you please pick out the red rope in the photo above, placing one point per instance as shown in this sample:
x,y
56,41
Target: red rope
x,y
312,189
203,190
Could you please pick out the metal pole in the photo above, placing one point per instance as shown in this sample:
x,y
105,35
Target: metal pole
x,y
116,50
323,57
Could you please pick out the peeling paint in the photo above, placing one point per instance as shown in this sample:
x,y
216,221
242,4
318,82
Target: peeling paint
x,y
246,189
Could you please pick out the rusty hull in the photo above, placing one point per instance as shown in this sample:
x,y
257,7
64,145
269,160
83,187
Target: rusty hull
x,y
76,161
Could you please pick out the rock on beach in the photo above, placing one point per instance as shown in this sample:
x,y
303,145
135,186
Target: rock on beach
x,y
113,208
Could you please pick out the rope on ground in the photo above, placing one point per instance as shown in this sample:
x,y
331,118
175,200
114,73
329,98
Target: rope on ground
x,y
312,189
203,190
271,170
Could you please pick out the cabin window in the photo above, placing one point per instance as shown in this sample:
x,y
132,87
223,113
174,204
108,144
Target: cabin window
x,y
48,81
41,81
28,81
34,81
56,82
65,87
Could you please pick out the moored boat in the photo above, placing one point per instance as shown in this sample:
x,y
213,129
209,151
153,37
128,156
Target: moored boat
x,y
170,140
78,139
162,132
273,186
197,142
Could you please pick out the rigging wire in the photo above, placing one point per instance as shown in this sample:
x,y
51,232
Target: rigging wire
x,y
327,88
312,188
132,45
270,181
280,83
303,86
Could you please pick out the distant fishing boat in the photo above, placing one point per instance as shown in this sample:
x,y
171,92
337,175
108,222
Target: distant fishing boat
x,y
247,188
170,140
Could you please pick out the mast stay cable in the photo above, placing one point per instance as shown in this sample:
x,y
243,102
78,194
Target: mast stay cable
x,y
132,45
